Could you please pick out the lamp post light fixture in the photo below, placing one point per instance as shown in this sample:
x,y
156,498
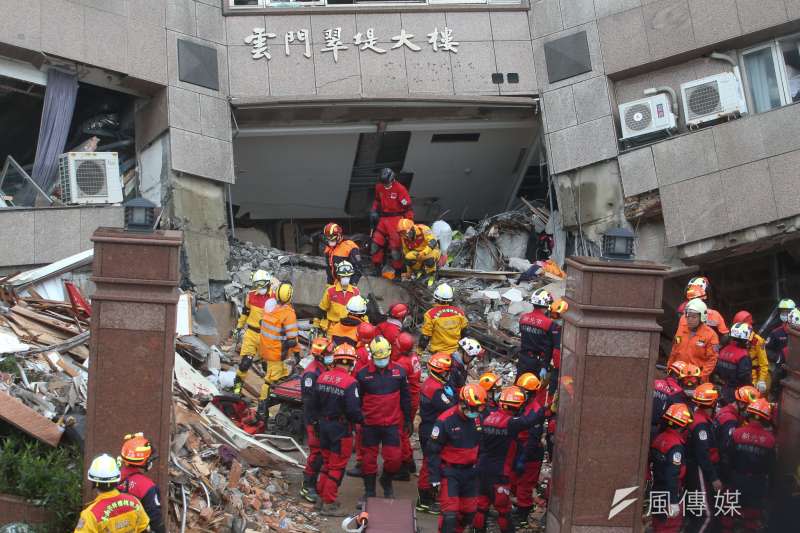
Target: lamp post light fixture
x,y
140,215
618,245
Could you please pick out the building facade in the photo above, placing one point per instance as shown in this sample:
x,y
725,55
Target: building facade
x,y
283,110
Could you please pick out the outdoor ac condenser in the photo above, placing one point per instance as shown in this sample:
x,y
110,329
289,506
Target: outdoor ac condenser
x,y
649,116
90,178
713,98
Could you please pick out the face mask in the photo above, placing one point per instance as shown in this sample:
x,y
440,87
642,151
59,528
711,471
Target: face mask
x,y
328,359
332,243
784,317
381,363
472,414
262,291
344,281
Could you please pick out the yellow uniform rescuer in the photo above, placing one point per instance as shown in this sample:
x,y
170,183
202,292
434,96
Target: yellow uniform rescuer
x,y
278,339
110,511
443,323
250,323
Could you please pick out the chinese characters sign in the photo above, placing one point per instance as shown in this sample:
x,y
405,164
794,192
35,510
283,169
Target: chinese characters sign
x,y
440,40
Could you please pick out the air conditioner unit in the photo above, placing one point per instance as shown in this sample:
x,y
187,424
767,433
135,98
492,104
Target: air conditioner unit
x,y
90,178
713,98
647,117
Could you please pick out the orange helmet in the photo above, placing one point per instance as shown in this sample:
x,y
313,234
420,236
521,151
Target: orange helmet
x,y
511,397
558,308
747,394
678,414
344,354
695,291
439,364
760,408
743,316
473,395
319,346
529,382
677,368
332,232
691,376
488,380
406,228
366,332
706,395
700,281
136,450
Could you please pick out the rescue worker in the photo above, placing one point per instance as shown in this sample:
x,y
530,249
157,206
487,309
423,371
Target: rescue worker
x,y
393,325
365,333
776,344
695,342
498,449
752,457
403,354
540,337
345,331
110,510
668,463
758,355
336,408
443,323
338,249
530,452
392,202
491,384
321,349
278,341
136,458
727,419
433,402
333,306
468,350
386,404
734,367
698,288
250,324
453,457
421,251
672,389
703,459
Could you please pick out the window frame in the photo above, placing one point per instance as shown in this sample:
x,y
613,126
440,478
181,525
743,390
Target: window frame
x,y
231,9
774,45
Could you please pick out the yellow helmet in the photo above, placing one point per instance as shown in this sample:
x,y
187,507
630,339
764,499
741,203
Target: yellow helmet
x,y
284,293
529,382
380,348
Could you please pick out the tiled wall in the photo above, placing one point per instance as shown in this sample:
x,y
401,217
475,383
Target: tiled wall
x,y
721,179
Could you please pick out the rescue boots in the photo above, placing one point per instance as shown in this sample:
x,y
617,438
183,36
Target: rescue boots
x,y
386,485
427,502
309,491
355,471
332,509
369,486
262,412
238,383
403,473
520,516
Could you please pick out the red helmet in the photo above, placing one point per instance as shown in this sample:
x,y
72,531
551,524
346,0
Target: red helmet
x,y
678,414
404,342
743,316
332,232
398,311
366,332
760,408
136,450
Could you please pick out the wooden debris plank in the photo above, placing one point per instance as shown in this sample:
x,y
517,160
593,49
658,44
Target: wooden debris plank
x,y
54,323
26,419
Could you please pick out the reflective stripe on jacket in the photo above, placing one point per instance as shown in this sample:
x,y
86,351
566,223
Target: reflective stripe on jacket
x,y
278,325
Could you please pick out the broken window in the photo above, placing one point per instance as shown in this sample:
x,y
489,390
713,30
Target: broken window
x,y
16,184
376,151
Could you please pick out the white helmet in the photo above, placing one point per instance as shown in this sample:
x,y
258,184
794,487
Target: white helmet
x,y
357,305
104,469
700,281
541,298
470,346
345,269
794,318
443,293
697,306
260,278
741,331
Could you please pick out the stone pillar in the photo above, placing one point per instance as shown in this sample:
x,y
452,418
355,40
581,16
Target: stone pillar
x,y
788,432
133,344
609,350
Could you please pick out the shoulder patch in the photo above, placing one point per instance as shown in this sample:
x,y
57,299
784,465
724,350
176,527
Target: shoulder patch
x,y
445,399
702,435
308,382
676,458
356,390
435,432
81,523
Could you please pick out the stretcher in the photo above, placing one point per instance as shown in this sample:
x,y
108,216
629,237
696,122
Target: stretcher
x,y
383,516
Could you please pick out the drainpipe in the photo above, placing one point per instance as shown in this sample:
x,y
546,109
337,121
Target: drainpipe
x,y
728,59
673,99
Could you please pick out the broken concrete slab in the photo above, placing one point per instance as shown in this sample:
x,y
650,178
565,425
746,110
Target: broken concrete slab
x,y
26,419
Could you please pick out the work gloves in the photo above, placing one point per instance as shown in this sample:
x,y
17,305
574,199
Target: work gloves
x,y
374,218
762,387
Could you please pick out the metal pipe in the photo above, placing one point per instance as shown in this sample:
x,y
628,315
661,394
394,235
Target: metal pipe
x,y
185,511
723,57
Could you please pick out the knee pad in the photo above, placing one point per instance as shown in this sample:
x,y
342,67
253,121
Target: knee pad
x,y
264,392
246,363
429,263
